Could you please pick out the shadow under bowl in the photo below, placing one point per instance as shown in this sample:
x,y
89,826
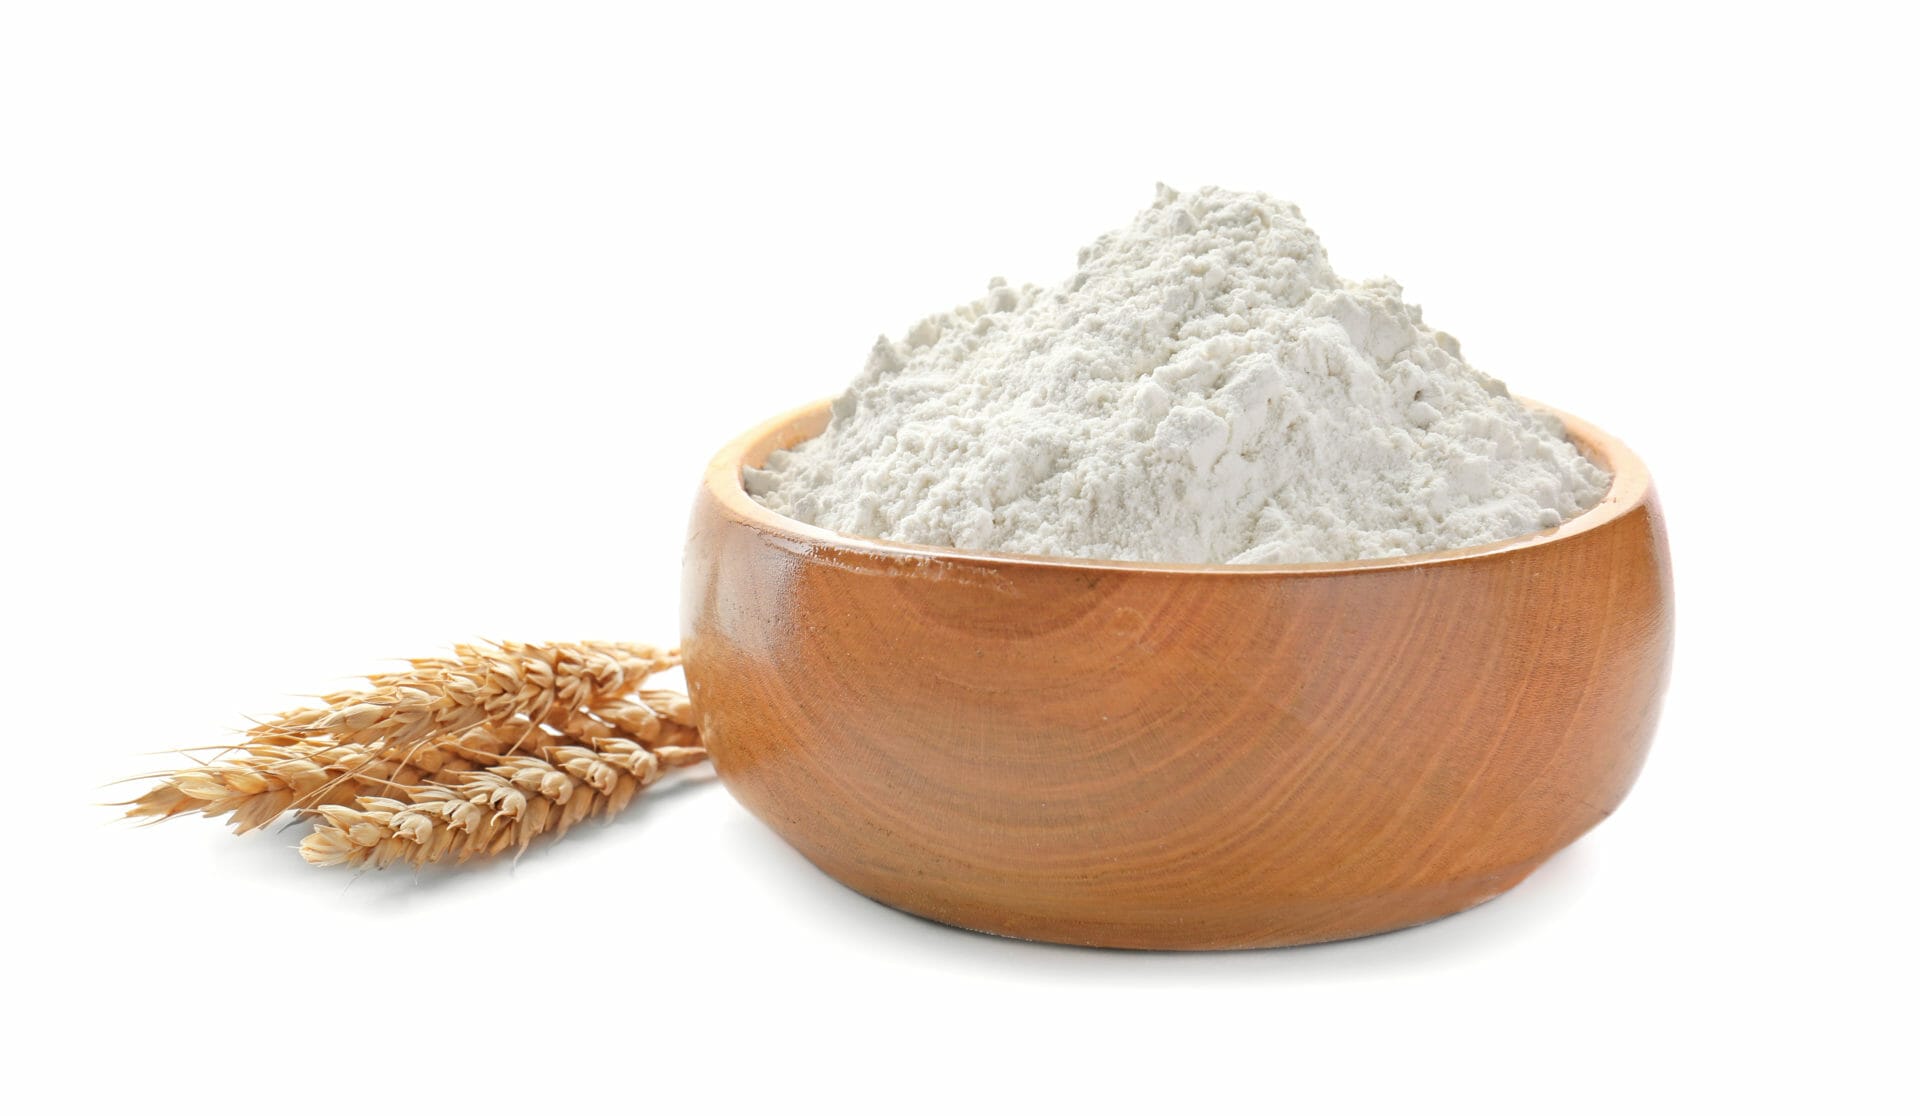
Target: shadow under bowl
x,y
1159,756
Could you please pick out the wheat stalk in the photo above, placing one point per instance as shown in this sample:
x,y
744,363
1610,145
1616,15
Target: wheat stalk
x,y
457,756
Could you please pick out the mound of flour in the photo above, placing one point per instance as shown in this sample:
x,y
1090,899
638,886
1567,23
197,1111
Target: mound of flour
x,y
1203,388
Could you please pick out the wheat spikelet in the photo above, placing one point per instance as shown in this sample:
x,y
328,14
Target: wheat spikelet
x,y
445,696
457,756
400,724
554,785
656,718
268,776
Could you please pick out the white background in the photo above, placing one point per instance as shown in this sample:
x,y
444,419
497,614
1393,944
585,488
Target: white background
x,y
337,332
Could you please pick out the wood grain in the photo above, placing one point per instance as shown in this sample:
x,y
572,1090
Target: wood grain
x,y
1175,757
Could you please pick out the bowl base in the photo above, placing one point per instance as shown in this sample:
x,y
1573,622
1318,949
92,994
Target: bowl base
x,y
1300,922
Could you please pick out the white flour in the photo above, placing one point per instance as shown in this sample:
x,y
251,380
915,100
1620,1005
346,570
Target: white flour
x,y
1203,389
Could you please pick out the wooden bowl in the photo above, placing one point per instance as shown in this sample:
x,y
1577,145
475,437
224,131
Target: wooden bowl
x,y
1175,757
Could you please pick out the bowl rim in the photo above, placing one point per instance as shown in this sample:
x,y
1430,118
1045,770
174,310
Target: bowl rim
x,y
725,482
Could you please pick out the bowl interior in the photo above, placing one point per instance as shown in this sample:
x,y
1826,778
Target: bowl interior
x,y
726,480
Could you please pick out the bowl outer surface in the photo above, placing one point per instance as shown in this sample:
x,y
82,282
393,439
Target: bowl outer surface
x,y
1144,756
